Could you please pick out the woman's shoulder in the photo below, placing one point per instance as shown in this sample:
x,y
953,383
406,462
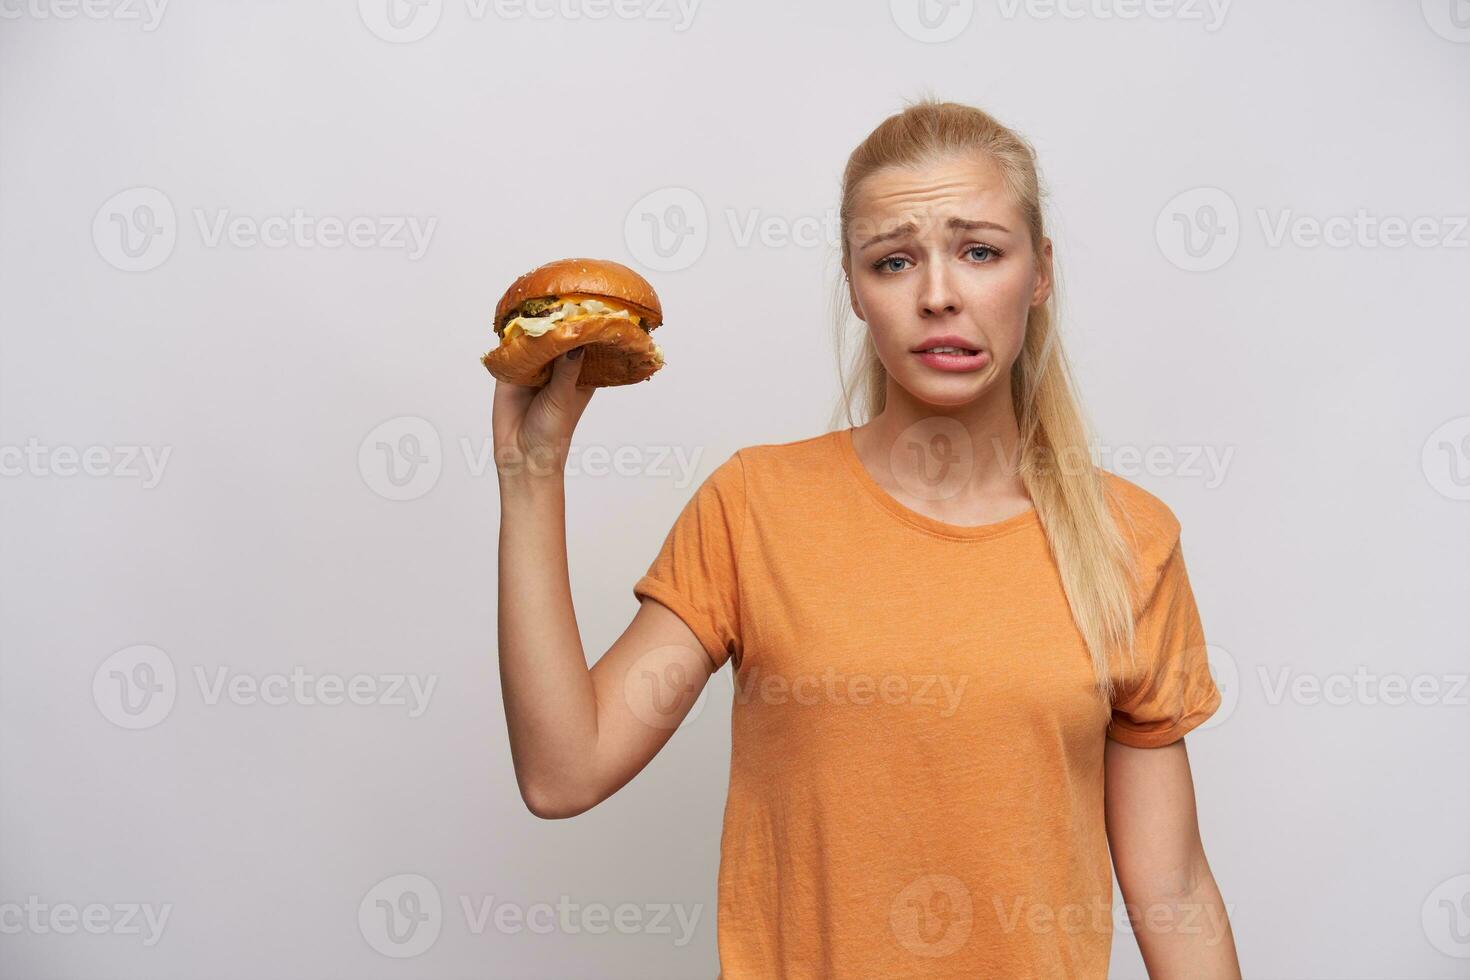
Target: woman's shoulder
x,y
779,470
804,451
1144,518
774,464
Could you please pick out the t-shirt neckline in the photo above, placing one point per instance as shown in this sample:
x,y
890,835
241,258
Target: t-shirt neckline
x,y
848,450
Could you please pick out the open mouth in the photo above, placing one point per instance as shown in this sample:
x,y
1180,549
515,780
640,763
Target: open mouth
x,y
961,351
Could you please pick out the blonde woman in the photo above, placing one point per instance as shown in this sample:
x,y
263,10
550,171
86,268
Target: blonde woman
x,y
965,658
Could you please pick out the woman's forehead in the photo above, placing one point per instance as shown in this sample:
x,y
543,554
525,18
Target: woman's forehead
x,y
934,213
942,198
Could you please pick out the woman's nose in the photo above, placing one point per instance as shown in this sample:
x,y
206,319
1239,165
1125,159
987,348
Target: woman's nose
x,y
939,294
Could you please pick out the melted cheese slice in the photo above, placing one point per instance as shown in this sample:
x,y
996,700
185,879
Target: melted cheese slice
x,y
572,309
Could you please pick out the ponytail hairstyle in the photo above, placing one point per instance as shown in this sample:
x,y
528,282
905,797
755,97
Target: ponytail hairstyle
x,y
1069,493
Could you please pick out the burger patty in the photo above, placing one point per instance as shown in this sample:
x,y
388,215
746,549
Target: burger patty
x,y
539,306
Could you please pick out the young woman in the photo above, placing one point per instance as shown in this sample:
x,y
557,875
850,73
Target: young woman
x,y
966,658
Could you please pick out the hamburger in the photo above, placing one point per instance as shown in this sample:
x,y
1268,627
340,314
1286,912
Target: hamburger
x,y
601,305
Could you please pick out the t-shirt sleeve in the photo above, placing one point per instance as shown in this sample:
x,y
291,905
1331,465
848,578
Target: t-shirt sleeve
x,y
1171,691
695,572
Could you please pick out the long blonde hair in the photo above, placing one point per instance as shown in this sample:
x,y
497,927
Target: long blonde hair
x,y
1070,494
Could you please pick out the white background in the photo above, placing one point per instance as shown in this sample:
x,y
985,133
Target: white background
x,y
1330,549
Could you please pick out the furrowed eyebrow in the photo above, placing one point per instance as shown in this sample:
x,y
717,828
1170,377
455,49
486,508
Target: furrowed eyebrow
x,y
908,227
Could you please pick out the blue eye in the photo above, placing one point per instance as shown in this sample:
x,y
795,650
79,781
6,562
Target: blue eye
x,y
991,254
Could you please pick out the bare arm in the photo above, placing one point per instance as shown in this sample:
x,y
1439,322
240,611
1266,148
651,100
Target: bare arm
x,y
576,735
1171,897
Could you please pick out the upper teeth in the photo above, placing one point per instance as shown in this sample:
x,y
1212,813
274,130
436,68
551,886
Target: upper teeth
x,y
946,350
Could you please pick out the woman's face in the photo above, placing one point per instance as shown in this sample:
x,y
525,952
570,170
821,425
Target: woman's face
x,y
941,250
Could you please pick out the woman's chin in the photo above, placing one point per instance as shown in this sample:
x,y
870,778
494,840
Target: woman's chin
x,y
950,391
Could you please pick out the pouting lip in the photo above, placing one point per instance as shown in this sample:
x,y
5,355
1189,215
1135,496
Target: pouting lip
x,y
948,340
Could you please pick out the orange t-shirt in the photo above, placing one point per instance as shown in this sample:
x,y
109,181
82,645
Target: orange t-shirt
x,y
916,778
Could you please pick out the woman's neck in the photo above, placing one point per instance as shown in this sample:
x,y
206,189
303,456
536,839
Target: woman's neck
x,y
963,459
